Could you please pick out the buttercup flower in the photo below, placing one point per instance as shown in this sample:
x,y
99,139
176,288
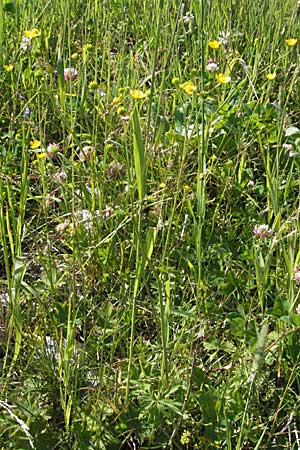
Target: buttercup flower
x,y
262,231
271,76
31,33
188,87
214,44
70,73
138,94
291,42
34,144
116,101
8,67
223,78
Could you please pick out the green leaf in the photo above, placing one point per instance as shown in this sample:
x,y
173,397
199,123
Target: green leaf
x,y
139,155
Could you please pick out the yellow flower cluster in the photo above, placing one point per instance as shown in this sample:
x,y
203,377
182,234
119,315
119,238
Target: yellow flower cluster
x,y
31,33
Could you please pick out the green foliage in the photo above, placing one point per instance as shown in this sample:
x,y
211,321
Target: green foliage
x,y
149,225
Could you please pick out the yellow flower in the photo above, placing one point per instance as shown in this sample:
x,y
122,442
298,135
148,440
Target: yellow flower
x,y
223,78
214,44
32,33
175,80
188,87
271,76
291,42
116,101
8,67
137,94
34,144
42,155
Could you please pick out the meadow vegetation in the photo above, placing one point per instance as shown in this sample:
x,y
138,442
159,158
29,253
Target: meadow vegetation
x,y
149,224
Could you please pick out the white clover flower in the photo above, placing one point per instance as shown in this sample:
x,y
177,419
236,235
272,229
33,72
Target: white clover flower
x,y
262,231
25,44
211,66
70,73
296,276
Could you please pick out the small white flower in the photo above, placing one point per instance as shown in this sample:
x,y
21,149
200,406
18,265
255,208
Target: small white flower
x,y
212,66
224,37
296,276
70,73
25,44
188,18
60,177
262,231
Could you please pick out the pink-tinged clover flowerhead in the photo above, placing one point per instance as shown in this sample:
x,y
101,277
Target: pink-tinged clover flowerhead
x,y
262,231
70,73
296,276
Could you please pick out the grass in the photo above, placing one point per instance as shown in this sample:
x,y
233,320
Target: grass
x,y
149,260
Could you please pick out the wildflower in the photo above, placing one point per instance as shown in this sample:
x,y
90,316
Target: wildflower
x,y
34,144
138,94
175,80
70,73
25,44
271,76
188,18
211,66
296,276
223,78
31,33
107,212
86,152
41,155
8,67
262,231
52,149
116,101
214,44
93,85
26,114
224,37
188,87
85,217
60,177
291,42
289,149
185,437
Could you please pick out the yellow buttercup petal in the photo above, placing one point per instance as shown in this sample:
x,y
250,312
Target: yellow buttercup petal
x,y
32,33
188,87
138,94
214,44
271,76
291,42
34,144
223,78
